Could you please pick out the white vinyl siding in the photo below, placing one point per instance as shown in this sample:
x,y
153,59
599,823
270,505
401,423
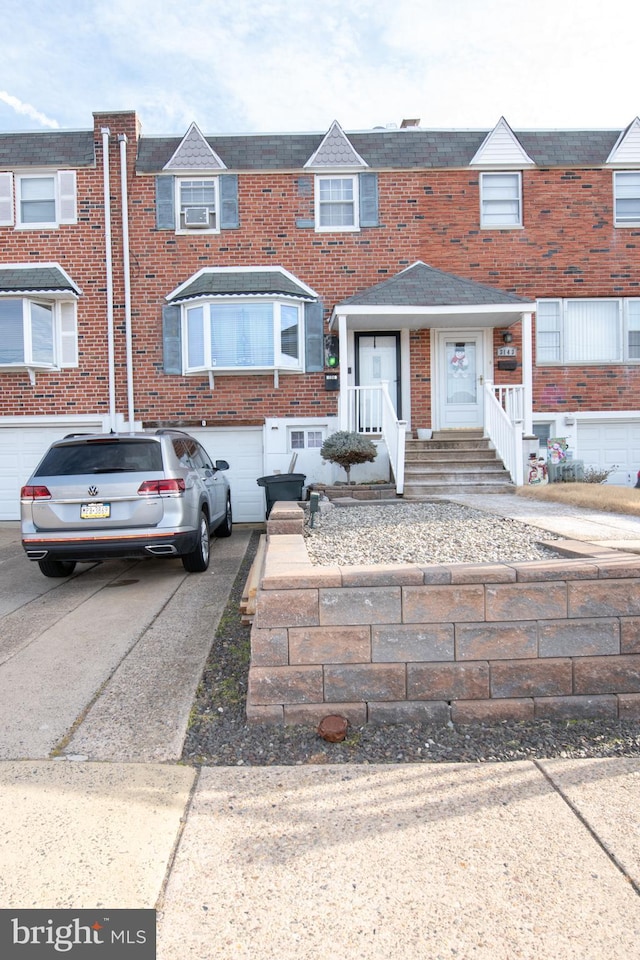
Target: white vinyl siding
x,y
626,192
587,331
336,203
243,335
500,200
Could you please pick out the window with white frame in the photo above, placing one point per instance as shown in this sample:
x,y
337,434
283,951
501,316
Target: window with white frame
x,y
243,334
38,333
197,204
43,200
305,439
500,200
626,194
588,331
336,203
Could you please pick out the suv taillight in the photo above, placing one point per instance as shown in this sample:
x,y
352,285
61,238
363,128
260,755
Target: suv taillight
x,y
154,487
35,493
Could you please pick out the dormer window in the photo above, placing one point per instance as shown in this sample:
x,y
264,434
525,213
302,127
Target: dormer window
x,y
197,204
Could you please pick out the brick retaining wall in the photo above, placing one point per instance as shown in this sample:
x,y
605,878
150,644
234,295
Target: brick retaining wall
x,y
462,642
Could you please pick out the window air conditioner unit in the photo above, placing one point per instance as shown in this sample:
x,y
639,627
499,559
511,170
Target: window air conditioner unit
x,y
196,217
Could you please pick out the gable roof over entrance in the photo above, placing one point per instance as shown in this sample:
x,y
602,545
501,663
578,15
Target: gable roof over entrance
x,y
421,295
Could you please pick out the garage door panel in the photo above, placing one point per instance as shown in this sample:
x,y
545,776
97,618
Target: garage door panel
x,y
242,447
606,444
21,448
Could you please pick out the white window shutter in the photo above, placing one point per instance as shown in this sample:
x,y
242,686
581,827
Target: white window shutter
x,y
68,334
6,199
67,195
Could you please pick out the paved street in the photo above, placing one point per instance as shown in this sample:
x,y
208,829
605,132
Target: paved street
x,y
104,665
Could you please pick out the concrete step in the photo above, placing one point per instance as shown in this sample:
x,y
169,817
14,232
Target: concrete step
x,y
457,476
419,491
448,454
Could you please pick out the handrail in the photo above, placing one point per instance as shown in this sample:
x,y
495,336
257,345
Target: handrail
x,y
503,429
370,411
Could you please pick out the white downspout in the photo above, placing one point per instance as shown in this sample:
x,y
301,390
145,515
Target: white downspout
x,y
126,267
109,276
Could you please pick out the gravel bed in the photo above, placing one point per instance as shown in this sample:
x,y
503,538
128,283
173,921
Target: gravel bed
x,y
219,735
435,532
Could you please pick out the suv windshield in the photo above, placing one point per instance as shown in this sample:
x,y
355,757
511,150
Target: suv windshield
x,y
102,456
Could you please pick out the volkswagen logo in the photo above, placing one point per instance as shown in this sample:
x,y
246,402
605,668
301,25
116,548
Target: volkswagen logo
x,y
93,491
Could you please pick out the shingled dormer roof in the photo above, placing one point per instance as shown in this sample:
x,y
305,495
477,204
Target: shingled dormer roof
x,y
194,155
335,151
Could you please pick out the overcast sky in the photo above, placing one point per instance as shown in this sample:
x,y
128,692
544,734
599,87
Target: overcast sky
x,y
296,65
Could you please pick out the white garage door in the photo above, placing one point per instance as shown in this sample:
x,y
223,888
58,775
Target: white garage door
x,y
242,447
611,443
21,447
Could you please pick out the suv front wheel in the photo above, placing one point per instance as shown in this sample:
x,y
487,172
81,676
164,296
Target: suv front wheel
x,y
198,560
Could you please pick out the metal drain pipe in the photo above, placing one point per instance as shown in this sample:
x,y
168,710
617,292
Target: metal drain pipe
x,y
106,133
126,269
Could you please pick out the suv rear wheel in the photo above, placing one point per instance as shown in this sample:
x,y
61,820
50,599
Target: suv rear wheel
x,y
57,568
198,560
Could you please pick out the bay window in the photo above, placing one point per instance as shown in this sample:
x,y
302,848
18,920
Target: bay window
x,y
36,333
243,334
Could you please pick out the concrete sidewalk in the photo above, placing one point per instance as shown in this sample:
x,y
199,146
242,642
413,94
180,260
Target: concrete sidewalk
x,y
420,862
529,860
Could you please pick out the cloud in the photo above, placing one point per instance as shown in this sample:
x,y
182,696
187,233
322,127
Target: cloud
x,y
26,110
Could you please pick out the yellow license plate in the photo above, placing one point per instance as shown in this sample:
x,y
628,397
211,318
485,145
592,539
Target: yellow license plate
x,y
95,511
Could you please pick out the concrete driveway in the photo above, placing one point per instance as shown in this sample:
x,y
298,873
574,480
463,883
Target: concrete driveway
x,y
104,665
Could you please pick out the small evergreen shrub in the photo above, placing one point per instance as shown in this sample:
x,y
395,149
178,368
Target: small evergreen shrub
x,y
347,448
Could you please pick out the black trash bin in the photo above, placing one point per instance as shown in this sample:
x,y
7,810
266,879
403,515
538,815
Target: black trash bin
x,y
282,486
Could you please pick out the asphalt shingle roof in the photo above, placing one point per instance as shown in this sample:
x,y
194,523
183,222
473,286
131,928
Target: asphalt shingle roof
x,y
211,283
44,279
49,149
424,286
389,149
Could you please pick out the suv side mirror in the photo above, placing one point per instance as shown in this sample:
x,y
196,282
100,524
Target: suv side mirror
x,y
222,465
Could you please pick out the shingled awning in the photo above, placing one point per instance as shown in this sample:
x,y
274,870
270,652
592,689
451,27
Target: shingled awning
x,y
229,282
45,278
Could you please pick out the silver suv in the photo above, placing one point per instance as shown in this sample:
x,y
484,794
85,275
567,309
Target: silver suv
x,y
124,495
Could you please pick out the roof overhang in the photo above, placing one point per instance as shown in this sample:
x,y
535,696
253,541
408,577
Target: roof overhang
x,y
388,317
210,282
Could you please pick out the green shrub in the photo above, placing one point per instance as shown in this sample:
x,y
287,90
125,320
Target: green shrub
x,y
347,448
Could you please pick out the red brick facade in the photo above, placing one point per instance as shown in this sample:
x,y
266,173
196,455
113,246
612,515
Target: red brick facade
x,y
568,247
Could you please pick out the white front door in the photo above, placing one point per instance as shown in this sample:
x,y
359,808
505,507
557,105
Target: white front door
x,y
460,365
377,363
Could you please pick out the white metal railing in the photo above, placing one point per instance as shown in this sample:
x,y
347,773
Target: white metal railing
x,y
503,419
369,410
